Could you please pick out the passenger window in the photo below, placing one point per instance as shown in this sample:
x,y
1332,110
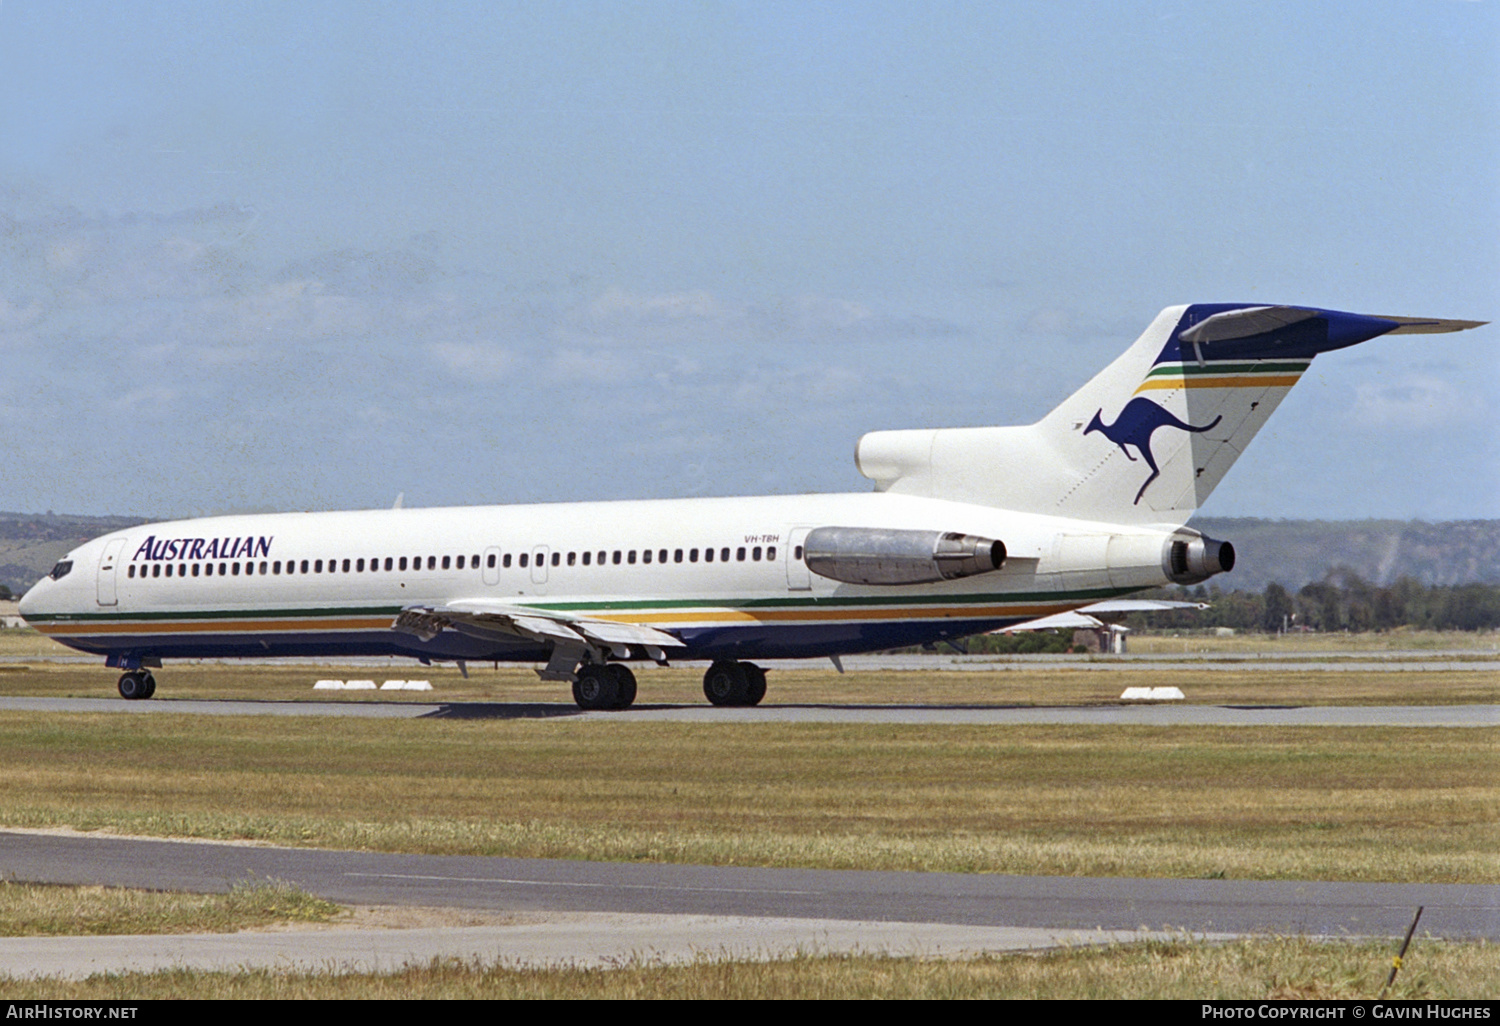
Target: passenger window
x,y
474,562
506,561
490,561
208,569
677,556
460,563
156,570
234,568
661,556
617,557
263,568
276,567
708,555
755,554
130,572
195,569
556,557
524,558
402,564
646,556
345,567
797,553
692,555
724,555
771,553
586,556
359,567
601,557
249,569
389,563
169,569
572,558
447,562
630,556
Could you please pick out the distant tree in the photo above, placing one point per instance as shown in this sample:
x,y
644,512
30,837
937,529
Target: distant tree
x,y
1279,608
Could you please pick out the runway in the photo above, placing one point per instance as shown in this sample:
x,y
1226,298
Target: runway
x,y
1150,714
683,911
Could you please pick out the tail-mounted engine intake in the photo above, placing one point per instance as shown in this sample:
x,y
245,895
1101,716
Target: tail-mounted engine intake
x,y
1190,560
872,555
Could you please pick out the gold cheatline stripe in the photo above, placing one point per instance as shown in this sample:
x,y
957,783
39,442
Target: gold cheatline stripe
x,y
710,619
1238,381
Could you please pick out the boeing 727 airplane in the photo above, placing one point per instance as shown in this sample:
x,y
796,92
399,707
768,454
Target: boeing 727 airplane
x,y
967,530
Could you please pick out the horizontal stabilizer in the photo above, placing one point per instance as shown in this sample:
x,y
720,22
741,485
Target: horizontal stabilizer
x,y
1429,325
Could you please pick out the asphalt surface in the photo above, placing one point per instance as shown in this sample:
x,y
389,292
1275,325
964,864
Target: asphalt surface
x,y
677,911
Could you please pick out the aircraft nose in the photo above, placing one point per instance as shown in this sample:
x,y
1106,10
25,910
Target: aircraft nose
x,y
31,602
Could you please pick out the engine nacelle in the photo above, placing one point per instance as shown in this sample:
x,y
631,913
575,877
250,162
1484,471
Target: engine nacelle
x,y
873,555
1191,560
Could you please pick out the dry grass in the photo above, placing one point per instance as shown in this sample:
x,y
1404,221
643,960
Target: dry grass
x,y
1255,969
1313,803
40,910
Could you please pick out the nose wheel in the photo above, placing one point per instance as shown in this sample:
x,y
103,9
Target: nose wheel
x,y
136,685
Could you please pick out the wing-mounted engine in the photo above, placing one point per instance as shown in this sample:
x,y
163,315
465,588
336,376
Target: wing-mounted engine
x,y
873,555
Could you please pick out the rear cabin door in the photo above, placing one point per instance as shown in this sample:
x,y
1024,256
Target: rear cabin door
x,y
107,594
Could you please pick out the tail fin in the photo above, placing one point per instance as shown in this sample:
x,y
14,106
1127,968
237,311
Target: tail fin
x,y
1152,434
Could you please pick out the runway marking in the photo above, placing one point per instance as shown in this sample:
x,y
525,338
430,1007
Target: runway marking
x,y
565,883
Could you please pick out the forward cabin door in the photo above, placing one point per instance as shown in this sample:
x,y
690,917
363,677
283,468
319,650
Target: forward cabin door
x,y
107,594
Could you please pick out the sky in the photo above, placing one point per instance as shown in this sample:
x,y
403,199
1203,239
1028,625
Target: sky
x,y
313,255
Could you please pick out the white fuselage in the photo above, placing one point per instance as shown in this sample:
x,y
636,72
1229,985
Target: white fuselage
x,y
725,576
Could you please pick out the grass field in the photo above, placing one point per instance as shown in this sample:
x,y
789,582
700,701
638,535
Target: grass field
x,y
1316,803
1304,803
1253,969
42,910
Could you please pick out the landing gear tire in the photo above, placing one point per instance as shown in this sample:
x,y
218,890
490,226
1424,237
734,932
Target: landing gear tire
x,y
597,687
136,685
727,684
625,681
757,683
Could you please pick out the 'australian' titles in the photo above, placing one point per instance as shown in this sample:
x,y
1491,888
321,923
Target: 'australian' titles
x,y
204,548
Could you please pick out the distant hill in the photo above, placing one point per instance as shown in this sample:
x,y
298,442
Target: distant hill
x,y
30,543
1289,552
1295,552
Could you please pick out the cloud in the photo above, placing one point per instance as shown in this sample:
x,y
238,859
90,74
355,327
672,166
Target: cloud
x,y
469,360
1421,402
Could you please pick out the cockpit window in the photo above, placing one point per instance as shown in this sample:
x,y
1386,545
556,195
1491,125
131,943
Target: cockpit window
x,y
61,569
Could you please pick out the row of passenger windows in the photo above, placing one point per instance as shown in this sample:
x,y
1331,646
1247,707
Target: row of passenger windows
x,y
616,557
313,566
400,563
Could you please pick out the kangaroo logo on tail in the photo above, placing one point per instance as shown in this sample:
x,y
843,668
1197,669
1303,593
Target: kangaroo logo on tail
x,y
1135,425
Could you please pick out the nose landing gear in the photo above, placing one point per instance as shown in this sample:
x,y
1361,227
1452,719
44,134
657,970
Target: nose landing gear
x,y
137,684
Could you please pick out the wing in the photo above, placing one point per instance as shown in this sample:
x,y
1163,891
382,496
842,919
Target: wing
x,y
571,637
1080,618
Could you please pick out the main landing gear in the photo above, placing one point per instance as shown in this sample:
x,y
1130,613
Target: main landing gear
x,y
604,686
728,683
137,684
